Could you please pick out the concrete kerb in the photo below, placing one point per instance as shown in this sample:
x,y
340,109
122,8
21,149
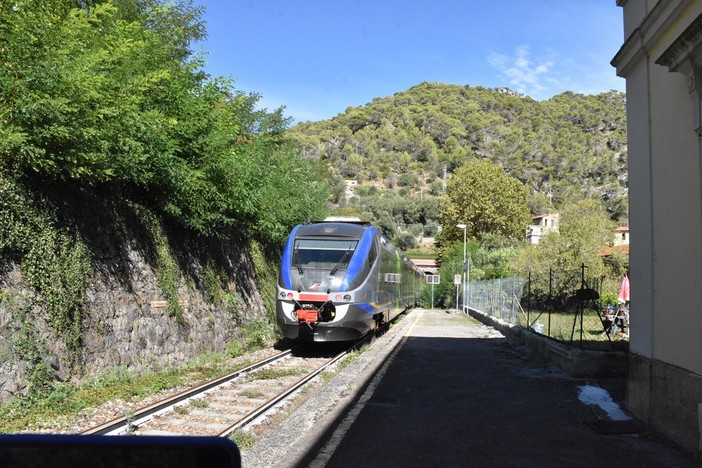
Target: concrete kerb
x,y
577,362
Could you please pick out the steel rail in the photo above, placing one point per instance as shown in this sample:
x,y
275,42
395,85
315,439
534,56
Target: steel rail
x,y
267,406
142,415
270,404
122,424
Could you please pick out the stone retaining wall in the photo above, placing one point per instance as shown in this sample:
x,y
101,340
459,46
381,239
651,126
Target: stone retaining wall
x,y
125,322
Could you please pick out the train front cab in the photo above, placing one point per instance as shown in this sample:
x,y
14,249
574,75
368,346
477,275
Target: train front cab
x,y
325,289
323,298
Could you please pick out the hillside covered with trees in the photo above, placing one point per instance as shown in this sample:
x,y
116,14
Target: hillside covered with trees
x,y
563,149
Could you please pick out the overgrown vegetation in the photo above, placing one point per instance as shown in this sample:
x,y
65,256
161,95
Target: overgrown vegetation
x,y
243,439
27,346
256,334
54,259
266,267
165,265
270,373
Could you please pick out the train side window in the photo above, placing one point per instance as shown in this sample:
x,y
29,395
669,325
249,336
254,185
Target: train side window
x,y
372,254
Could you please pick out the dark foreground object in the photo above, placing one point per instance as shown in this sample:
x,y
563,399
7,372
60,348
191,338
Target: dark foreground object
x,y
32,450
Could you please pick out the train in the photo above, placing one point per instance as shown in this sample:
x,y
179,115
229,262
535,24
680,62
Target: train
x,y
340,280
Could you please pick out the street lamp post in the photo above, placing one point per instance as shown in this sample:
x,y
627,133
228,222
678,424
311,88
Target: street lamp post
x,y
463,226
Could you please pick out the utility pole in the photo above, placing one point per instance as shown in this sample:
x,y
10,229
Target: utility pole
x,y
465,269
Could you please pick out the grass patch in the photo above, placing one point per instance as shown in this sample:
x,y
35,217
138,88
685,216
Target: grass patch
x,y
253,394
243,439
326,375
561,325
269,374
349,358
199,403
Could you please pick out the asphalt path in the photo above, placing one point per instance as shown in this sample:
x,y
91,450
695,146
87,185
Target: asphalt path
x,y
457,393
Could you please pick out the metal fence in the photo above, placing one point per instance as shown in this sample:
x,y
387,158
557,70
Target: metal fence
x,y
567,310
499,298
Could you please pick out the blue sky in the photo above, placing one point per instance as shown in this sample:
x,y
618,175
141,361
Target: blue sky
x,y
318,57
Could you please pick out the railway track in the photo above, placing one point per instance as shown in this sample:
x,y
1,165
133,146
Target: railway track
x,y
221,406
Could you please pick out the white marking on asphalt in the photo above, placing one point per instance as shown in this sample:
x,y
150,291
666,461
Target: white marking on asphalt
x,y
334,441
592,395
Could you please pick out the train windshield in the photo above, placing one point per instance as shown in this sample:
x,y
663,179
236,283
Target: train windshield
x,y
320,264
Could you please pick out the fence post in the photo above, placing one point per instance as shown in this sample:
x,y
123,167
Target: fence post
x,y
432,296
550,298
582,304
529,302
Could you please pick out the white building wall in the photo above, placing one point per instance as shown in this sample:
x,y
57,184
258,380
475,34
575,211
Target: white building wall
x,y
664,383
640,212
677,235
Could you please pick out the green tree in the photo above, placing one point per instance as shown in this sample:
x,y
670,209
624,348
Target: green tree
x,y
481,196
405,241
585,230
107,96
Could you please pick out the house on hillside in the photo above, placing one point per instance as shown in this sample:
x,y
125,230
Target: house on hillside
x,y
621,236
540,226
620,242
426,266
661,60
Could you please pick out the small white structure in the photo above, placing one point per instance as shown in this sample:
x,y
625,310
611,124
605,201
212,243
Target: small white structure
x,y
621,236
426,266
540,226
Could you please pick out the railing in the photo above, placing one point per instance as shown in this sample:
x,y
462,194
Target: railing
x,y
499,298
570,313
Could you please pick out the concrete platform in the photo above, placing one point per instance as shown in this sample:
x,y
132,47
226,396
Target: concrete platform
x,y
445,390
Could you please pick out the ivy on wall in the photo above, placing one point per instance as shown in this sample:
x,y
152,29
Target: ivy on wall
x,y
54,261
266,275
165,264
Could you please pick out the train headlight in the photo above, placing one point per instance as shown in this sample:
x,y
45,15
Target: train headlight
x,y
347,297
282,295
290,295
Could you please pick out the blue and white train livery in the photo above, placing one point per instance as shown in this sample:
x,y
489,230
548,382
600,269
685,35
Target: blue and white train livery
x,y
338,280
